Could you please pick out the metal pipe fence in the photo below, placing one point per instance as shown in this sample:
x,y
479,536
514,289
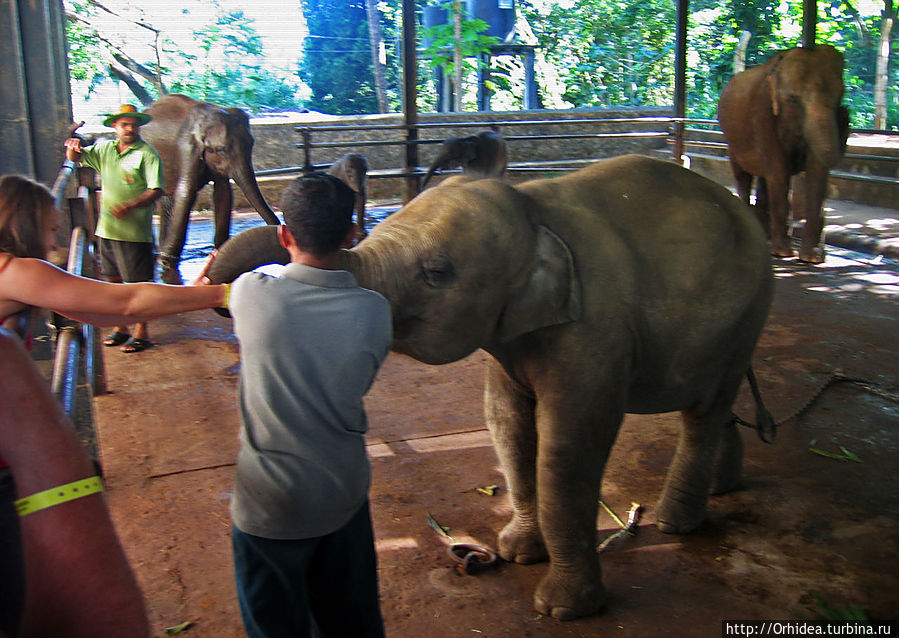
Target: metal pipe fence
x,y
660,127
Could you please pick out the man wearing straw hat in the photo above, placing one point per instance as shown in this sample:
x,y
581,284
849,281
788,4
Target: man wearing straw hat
x,y
131,177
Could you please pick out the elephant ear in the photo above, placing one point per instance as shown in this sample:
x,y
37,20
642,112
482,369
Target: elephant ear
x,y
551,295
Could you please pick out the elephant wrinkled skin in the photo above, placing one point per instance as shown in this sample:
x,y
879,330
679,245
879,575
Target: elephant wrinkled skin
x,y
779,119
633,285
200,143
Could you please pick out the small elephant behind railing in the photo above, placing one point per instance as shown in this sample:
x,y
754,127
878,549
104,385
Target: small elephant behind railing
x,y
480,155
352,168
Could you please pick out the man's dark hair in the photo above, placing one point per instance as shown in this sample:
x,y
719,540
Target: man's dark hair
x,y
318,212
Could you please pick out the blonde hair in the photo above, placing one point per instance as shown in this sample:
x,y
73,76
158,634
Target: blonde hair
x,y
25,208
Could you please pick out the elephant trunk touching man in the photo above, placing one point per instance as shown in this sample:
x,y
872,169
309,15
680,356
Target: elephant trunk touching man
x,y
633,285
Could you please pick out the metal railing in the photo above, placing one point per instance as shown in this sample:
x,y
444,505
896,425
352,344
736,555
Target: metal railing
x,y
670,128
77,347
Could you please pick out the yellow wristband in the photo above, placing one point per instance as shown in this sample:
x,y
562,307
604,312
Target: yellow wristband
x,y
57,495
227,298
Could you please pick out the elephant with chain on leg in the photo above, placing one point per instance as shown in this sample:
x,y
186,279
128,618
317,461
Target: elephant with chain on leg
x,y
779,119
200,143
633,285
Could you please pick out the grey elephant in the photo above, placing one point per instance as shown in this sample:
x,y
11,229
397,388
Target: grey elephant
x,y
633,285
200,142
352,168
782,118
480,155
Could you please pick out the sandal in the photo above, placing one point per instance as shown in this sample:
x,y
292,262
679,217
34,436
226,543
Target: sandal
x,y
136,345
116,338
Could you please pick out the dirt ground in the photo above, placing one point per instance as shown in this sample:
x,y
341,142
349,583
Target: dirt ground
x,y
804,527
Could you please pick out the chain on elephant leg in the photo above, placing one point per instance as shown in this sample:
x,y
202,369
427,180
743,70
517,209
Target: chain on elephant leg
x,y
170,273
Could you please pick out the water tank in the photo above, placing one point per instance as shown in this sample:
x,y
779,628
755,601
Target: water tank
x,y
498,14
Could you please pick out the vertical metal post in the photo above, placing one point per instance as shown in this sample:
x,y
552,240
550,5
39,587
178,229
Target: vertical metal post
x,y
680,79
809,22
530,81
410,99
36,107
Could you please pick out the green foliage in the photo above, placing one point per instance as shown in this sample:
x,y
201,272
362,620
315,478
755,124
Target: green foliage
x,y
223,63
337,62
229,68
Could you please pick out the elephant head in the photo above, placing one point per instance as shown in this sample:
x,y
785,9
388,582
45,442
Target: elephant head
x,y
525,274
224,143
806,90
481,155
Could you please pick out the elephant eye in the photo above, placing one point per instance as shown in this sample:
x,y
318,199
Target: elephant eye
x,y
438,272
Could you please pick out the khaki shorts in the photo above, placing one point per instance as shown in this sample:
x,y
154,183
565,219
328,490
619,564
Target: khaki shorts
x,y
129,261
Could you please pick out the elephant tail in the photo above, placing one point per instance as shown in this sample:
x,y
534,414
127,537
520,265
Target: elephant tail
x,y
765,425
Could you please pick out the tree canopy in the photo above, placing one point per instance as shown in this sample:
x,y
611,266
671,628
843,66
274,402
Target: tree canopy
x,y
590,53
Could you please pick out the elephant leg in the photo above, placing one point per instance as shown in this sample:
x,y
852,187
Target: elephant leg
x,y
698,467
744,182
176,235
164,210
729,465
223,204
509,413
778,199
811,247
762,205
574,444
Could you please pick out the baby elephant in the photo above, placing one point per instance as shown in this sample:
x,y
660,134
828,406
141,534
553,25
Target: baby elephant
x,y
480,155
352,168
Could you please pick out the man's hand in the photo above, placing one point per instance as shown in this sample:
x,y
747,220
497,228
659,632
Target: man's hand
x,y
120,211
73,149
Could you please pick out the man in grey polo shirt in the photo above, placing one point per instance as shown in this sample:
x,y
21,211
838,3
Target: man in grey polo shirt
x,y
311,343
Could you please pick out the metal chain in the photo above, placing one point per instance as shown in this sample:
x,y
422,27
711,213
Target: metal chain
x,y
836,376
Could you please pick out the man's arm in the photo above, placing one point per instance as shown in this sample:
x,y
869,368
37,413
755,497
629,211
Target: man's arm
x,y
78,581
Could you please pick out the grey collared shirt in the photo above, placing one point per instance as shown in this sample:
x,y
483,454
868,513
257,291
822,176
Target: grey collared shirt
x,y
311,343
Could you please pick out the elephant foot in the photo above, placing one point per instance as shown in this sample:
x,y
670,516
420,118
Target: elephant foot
x,y
566,595
521,543
781,247
170,274
813,255
680,512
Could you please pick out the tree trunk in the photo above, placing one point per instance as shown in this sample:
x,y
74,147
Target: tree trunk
x,y
740,52
457,54
374,34
883,66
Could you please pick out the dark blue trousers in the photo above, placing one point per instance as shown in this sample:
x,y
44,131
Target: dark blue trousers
x,y
325,586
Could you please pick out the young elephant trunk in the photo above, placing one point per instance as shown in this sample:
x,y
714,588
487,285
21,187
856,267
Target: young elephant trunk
x,y
246,180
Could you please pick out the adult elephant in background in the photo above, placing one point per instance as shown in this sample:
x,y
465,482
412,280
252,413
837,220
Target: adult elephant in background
x,y
352,168
200,143
480,155
633,285
779,119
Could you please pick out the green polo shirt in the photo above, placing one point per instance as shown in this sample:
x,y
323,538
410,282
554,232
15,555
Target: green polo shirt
x,y
124,176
